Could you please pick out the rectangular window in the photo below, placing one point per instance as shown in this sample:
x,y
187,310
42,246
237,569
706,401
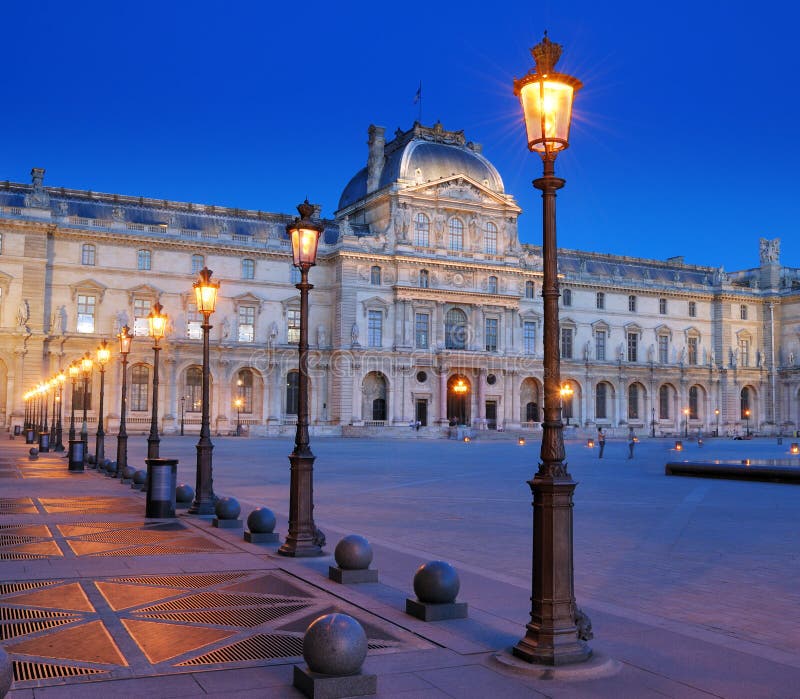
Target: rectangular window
x,y
692,350
600,345
744,352
692,309
88,254
662,306
529,337
143,259
1,243
248,269
140,381
247,323
197,263
293,327
663,403
632,304
491,238
375,328
194,321
600,402
422,330
633,402
294,275
566,343
601,300
663,349
141,309
743,312
633,347
86,309
491,334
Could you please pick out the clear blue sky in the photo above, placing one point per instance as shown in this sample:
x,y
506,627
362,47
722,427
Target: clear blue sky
x,y
685,139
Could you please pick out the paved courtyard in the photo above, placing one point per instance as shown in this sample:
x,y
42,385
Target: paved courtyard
x,y
690,583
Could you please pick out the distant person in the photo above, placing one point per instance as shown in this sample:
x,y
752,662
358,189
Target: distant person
x,y
417,425
601,441
631,442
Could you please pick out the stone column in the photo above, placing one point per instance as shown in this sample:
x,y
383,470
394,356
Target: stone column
x,y
275,394
439,331
507,398
515,408
443,395
481,398
357,394
324,380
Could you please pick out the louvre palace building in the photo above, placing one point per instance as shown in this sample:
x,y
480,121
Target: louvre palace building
x,y
425,307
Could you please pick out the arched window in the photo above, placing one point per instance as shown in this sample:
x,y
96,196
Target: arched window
x,y
744,401
633,402
693,403
492,284
566,297
88,254
600,400
455,329
198,262
490,238
456,239
530,290
194,389
140,382
379,409
244,390
424,279
531,412
663,403
422,227
375,275
292,392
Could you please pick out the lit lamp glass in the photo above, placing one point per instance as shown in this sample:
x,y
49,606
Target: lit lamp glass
x,y
205,292
86,364
103,353
125,338
157,321
795,448
590,443
521,441
238,403
73,370
304,234
460,387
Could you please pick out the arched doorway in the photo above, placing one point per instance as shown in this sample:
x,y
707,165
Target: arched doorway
x,y
530,401
373,391
459,392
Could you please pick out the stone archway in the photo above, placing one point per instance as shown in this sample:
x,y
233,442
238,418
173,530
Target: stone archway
x,y
459,392
373,396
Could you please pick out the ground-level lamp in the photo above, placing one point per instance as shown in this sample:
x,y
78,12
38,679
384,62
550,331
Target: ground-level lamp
x,y
103,355
205,294
125,339
553,636
157,326
302,538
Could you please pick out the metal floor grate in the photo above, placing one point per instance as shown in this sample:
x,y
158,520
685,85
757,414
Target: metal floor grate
x,y
23,628
199,580
90,505
127,537
25,671
204,600
19,556
246,618
15,539
261,647
158,550
17,506
8,588
13,613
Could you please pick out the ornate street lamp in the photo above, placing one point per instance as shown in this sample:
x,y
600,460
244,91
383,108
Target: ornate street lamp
x,y
716,412
61,377
566,392
205,293
302,538
86,368
53,386
557,630
125,338
183,412
73,371
238,405
686,423
746,415
44,432
157,322
103,355
76,446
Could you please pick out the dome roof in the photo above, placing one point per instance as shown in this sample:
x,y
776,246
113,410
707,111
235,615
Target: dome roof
x,y
426,155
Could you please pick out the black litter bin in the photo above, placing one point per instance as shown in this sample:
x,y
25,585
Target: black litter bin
x,y
162,479
76,447
17,430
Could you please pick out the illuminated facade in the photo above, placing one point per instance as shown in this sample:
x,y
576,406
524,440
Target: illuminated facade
x,y
425,308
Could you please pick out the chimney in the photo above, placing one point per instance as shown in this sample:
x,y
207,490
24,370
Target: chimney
x,y
376,143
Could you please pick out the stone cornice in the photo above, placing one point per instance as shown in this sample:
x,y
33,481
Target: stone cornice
x,y
473,298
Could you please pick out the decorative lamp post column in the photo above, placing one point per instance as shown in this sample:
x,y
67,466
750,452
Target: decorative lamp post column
x,y
157,321
238,405
53,383
716,413
44,433
103,355
746,416
652,422
557,631
183,412
302,538
60,378
205,292
125,339
86,368
566,392
686,423
73,370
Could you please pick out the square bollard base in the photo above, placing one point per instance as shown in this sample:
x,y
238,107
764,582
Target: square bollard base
x,y
261,537
182,505
317,686
436,612
227,523
352,577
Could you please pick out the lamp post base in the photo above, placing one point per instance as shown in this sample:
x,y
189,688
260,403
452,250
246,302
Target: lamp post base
x,y
303,540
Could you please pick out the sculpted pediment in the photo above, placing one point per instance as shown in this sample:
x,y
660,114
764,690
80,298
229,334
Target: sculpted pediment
x,y
143,290
88,286
459,188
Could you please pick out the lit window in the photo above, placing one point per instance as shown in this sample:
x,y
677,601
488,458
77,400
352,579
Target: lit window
x,y
375,328
633,347
194,322
492,285
422,226
140,384
600,301
745,403
455,329
141,309
743,312
248,269
198,262
633,402
530,290
692,350
88,254
632,304
490,238
692,309
424,279
247,323
491,334
86,311
456,230
143,259
422,326
244,390
529,337
600,345
375,275
566,343
566,297
293,327
194,389
744,352
663,349
662,306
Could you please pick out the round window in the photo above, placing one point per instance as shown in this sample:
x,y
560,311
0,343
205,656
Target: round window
x,y
491,379
422,377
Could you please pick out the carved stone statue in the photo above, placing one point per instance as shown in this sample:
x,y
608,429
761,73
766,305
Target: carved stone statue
x,y
344,226
322,336
791,358
769,250
272,334
473,230
651,353
720,277
682,356
354,335
587,350
438,228
58,321
37,197
226,328
23,314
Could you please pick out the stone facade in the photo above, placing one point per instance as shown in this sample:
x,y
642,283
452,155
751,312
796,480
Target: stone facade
x,y
425,308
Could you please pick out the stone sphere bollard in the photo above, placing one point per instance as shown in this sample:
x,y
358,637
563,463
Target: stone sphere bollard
x,y
335,644
184,493
436,582
353,552
227,508
6,673
261,521
127,472
139,477
33,453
